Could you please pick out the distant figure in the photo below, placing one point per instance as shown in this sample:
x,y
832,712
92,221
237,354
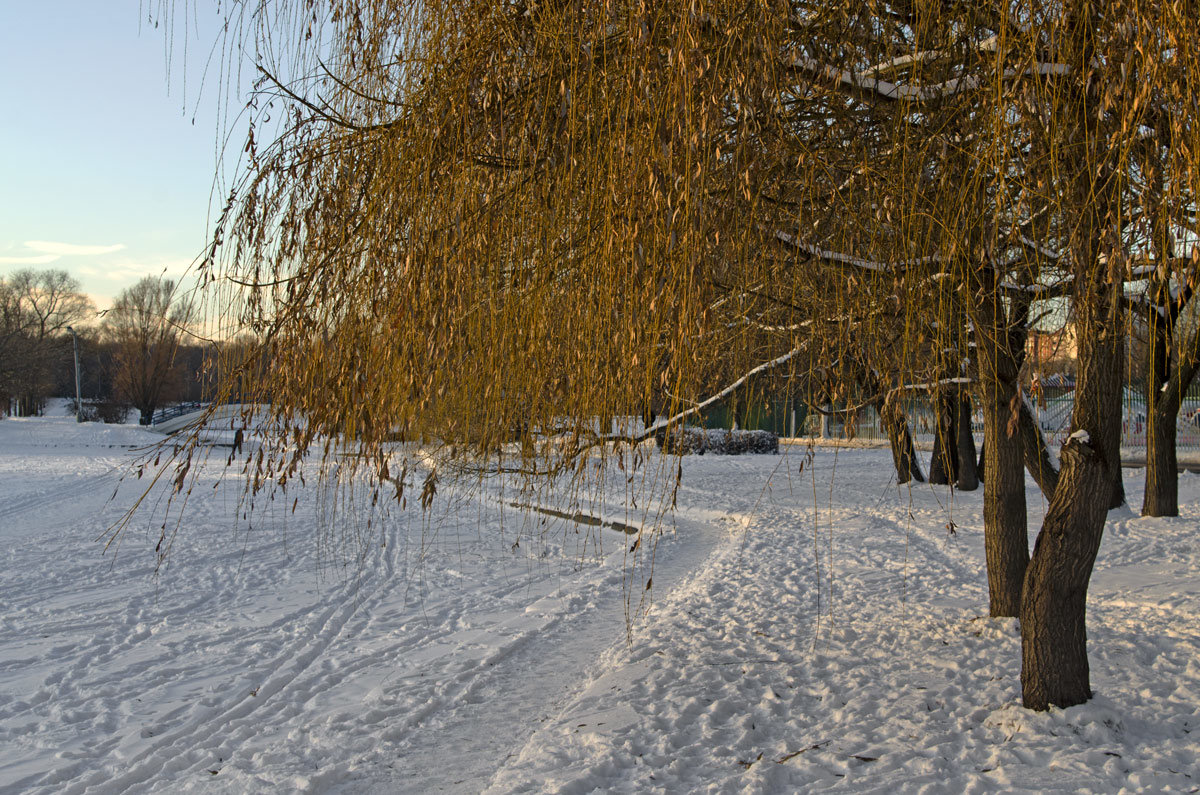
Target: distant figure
x,y
1036,392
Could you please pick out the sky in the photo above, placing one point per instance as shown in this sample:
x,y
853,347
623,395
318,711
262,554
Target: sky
x,y
107,157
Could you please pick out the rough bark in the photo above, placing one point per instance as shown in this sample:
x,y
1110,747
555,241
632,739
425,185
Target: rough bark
x,y
904,454
1099,396
1167,377
1006,534
968,478
1162,469
1054,664
891,414
1053,636
1166,383
999,342
943,466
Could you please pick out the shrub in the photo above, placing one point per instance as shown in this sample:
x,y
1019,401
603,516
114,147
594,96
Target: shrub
x,y
110,412
686,441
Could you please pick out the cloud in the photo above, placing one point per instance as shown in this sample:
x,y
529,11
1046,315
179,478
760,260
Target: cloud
x,y
132,271
71,249
41,259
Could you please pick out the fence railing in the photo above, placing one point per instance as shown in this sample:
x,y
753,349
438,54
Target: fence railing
x,y
178,410
1054,420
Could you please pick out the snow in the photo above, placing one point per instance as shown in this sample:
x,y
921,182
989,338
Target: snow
x,y
896,91
812,627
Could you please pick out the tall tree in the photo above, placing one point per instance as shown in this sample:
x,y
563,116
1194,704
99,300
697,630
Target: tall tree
x,y
36,307
1115,59
145,323
484,216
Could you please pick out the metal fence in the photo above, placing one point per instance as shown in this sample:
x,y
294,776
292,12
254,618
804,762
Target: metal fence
x,y
1054,420
177,410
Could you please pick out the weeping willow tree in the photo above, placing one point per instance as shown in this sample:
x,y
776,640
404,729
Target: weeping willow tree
x,y
485,225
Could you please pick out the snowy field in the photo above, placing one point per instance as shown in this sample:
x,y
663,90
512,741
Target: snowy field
x,y
812,628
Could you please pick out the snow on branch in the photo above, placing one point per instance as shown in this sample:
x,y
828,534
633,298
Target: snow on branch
x,y
1055,290
987,45
959,381
857,262
1141,302
1045,251
863,81
599,440
803,324
716,398
745,321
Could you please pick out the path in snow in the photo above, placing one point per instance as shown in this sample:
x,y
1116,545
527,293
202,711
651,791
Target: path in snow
x,y
847,648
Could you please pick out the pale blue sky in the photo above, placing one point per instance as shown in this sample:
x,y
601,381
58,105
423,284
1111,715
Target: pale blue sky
x,y
106,167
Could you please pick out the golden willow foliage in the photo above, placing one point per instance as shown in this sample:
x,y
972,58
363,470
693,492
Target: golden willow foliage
x,y
489,219
483,221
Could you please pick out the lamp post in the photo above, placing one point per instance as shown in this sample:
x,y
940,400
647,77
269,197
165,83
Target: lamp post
x,y
78,399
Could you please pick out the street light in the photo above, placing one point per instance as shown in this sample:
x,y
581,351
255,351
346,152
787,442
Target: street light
x,y
78,399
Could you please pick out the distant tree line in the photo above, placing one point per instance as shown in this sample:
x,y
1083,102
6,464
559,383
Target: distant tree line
x,y
136,355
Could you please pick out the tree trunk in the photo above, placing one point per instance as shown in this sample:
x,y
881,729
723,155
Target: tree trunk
x,y
943,466
1162,468
1006,535
1054,664
1053,636
968,477
887,405
904,455
937,460
1161,497
1105,402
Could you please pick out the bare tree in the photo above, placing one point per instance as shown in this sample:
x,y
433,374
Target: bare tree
x,y
145,324
35,309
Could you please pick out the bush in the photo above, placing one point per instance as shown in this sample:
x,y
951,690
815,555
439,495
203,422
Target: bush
x,y
110,412
686,441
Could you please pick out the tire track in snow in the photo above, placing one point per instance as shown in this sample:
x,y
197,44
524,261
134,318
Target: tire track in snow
x,y
508,695
296,675
246,715
46,499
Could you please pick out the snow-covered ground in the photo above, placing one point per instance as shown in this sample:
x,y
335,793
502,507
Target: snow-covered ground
x,y
812,627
